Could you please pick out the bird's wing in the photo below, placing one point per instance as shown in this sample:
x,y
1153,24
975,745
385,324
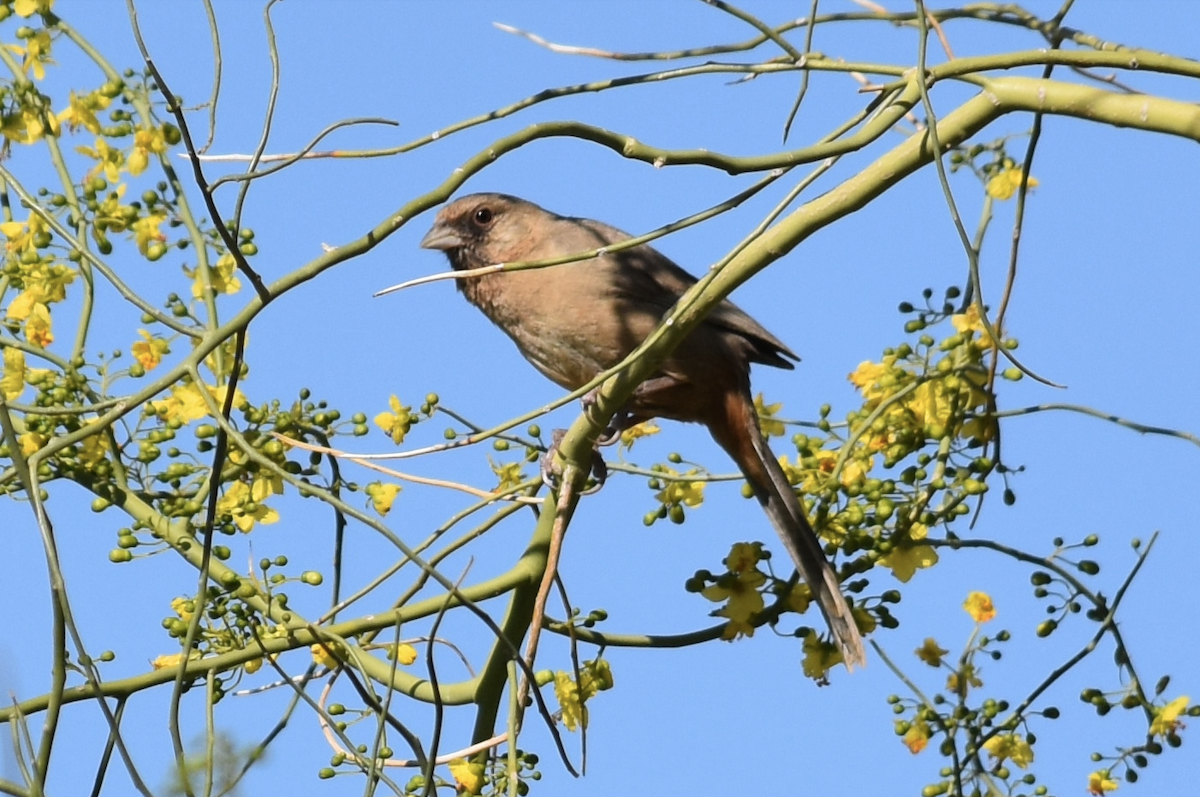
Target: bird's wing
x,y
649,277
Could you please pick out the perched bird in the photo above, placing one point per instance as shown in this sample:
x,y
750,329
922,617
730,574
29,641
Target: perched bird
x,y
577,319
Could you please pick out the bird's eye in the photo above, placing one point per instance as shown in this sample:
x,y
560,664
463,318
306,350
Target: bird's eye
x,y
482,217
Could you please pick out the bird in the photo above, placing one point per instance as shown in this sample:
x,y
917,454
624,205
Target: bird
x,y
574,320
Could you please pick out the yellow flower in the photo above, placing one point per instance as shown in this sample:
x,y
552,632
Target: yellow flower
x,y
1011,747
395,424
509,474
146,232
22,305
855,470
1005,182
1100,782
12,383
1166,718
81,111
27,8
633,433
221,277
403,653
382,496
680,492
863,619
109,160
183,405
906,560
820,656
35,54
186,403
574,713
21,234
969,321
45,283
31,442
93,449
28,126
767,422
931,404
149,350
594,676
917,737
799,598
37,326
739,588
323,654
866,375
167,661
243,508
145,143
930,652
469,775
963,681
744,556
979,606
266,485
793,473
184,607
815,478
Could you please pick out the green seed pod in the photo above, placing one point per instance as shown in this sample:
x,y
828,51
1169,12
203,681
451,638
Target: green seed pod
x,y
1046,628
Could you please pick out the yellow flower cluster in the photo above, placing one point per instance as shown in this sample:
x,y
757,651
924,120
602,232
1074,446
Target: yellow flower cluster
x,y
739,588
395,424
594,676
43,281
678,492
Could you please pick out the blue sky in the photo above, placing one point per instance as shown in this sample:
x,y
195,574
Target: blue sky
x,y
1103,304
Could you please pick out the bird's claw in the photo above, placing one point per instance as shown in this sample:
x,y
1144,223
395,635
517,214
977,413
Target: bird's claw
x,y
619,423
551,469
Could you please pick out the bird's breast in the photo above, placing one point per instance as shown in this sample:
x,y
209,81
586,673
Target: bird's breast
x,y
563,329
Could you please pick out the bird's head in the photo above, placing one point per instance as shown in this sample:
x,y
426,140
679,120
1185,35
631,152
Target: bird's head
x,y
483,229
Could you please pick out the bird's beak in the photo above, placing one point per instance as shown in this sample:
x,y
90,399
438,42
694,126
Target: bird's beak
x,y
441,237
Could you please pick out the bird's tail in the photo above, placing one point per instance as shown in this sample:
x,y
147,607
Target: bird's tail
x,y
749,449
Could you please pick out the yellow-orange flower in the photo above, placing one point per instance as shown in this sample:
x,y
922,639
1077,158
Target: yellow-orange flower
x,y
916,737
149,351
979,606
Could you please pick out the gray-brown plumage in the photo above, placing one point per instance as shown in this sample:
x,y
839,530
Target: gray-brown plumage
x,y
577,319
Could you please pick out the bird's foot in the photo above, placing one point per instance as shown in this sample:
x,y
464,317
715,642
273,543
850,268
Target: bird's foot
x,y
551,470
619,423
